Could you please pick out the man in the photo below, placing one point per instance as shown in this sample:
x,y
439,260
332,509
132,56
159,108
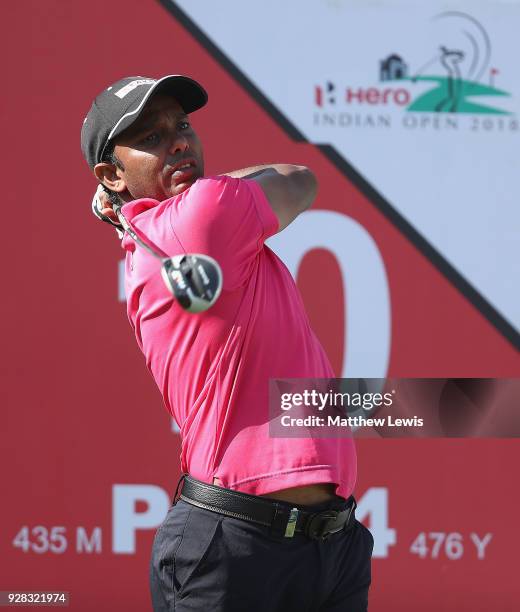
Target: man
x,y
263,523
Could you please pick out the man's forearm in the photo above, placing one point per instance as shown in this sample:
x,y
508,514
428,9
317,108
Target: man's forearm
x,y
252,171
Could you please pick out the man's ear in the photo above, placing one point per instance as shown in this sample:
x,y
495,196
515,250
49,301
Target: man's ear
x,y
108,175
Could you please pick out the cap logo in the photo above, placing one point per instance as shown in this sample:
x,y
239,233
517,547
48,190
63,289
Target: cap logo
x,y
131,86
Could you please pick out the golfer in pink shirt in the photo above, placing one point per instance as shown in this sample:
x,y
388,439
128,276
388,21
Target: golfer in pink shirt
x,y
263,523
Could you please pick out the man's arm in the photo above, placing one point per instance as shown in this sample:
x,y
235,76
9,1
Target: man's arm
x,y
289,189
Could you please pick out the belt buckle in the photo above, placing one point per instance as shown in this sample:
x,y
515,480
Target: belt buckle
x,y
291,523
311,529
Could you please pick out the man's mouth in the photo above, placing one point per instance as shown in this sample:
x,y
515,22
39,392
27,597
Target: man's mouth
x,y
183,171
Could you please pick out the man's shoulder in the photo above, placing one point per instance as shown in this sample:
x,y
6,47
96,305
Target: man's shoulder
x,y
213,184
212,190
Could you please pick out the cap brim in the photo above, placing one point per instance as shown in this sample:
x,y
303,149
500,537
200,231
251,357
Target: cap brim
x,y
188,93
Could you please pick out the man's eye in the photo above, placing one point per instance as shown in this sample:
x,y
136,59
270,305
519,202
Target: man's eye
x,y
184,125
151,139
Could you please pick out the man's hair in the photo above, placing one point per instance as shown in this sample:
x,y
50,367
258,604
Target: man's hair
x,y
110,157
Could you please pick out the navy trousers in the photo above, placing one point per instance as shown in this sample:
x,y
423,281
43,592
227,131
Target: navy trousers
x,y
206,562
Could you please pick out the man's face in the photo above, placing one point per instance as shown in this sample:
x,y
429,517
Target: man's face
x,y
160,153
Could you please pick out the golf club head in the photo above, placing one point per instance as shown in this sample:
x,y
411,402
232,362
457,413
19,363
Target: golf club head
x,y
195,280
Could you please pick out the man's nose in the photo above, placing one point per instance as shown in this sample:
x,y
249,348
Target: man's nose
x,y
178,144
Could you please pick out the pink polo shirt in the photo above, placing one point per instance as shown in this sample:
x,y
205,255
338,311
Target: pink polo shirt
x,y
213,368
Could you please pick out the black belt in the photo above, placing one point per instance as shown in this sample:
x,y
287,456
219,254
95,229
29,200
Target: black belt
x,y
284,518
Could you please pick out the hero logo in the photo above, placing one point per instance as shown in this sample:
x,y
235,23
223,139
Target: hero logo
x,y
451,85
370,95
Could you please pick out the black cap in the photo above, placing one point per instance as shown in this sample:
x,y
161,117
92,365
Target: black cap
x,y
120,105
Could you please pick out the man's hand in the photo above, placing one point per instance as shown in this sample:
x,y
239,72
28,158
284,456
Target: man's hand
x,y
289,189
102,207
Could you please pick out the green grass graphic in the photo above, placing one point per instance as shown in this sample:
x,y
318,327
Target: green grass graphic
x,y
439,99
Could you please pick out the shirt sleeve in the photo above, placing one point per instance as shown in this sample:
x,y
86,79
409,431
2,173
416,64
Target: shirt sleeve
x,y
228,219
